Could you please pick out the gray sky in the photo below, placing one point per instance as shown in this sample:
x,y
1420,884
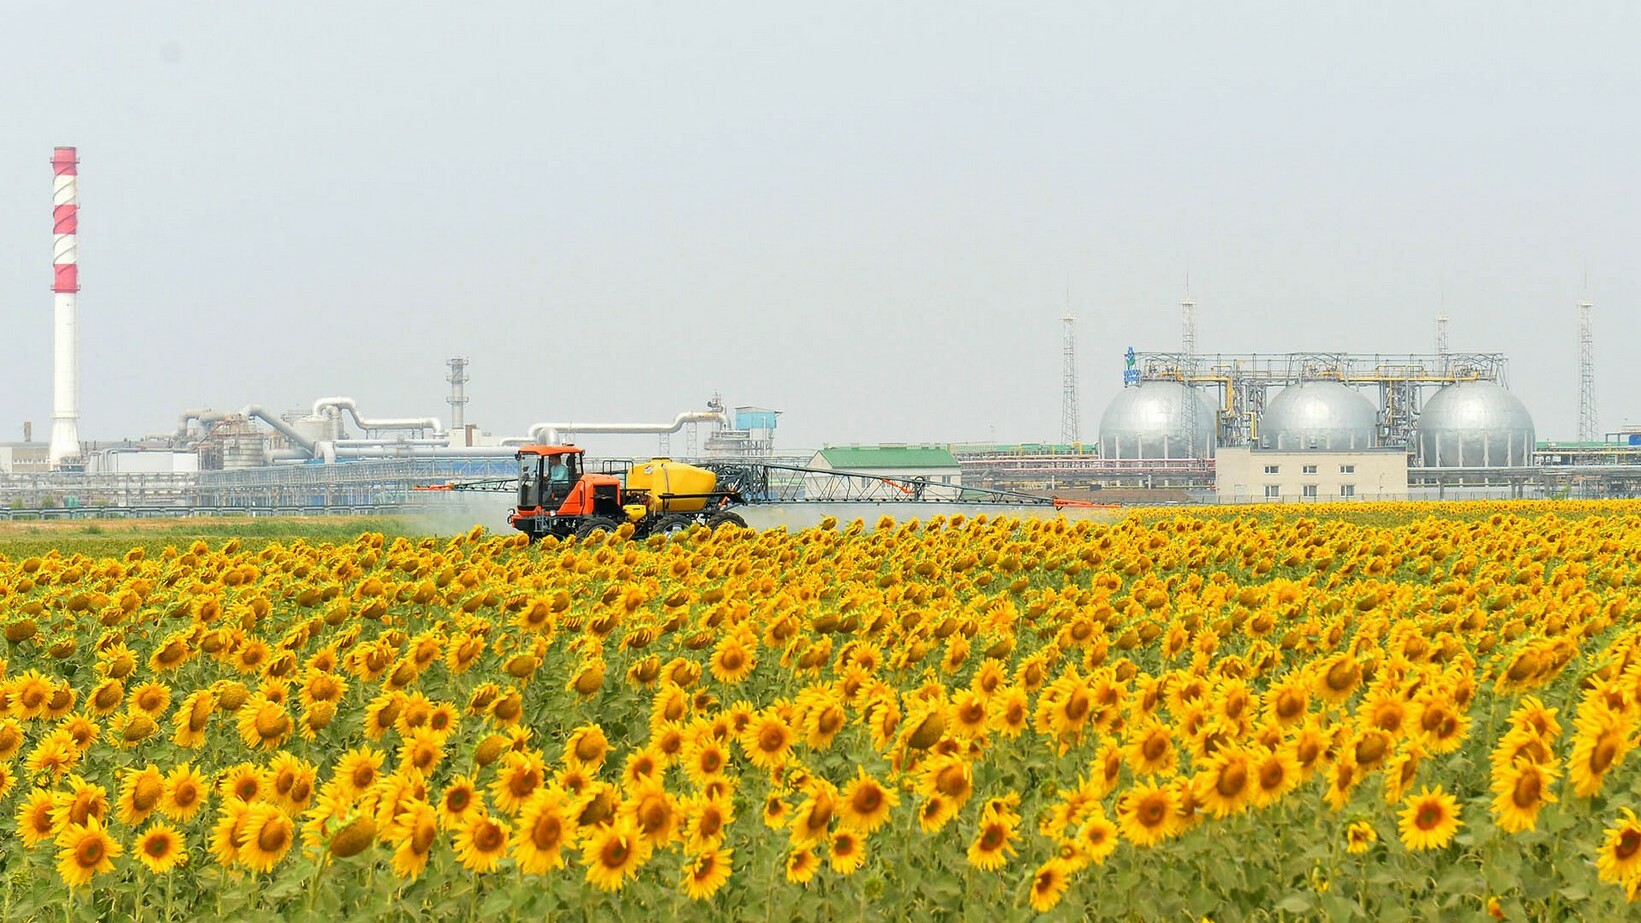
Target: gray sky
x,y
863,214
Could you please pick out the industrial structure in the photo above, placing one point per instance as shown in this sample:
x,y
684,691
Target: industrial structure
x,y
65,286
1186,425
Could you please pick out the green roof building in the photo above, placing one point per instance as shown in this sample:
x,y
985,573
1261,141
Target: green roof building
x,y
935,465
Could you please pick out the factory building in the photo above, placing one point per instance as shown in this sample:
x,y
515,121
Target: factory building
x,y
1245,474
935,466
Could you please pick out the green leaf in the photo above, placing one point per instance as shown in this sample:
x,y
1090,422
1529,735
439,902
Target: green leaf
x,y
497,903
1339,907
1299,902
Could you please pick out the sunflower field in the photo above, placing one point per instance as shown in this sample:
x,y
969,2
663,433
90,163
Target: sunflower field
x,y
1412,711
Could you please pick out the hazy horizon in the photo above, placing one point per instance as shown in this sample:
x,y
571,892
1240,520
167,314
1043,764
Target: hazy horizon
x,y
867,216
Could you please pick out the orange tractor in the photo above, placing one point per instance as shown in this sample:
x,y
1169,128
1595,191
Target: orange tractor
x,y
557,497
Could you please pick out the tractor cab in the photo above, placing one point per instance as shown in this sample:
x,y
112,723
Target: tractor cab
x,y
557,496
546,474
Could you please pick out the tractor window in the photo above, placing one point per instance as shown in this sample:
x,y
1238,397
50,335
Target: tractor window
x,y
558,473
529,482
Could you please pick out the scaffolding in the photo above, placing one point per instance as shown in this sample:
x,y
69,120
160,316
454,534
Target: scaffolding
x,y
1242,380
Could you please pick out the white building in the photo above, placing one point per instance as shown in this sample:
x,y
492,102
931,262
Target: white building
x,y
1248,475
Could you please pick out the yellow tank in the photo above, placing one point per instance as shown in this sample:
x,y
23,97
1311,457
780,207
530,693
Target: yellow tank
x,y
664,476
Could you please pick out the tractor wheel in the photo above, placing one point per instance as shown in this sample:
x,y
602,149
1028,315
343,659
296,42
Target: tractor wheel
x,y
676,524
592,524
718,519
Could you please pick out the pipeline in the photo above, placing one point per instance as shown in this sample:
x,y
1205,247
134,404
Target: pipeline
x,y
549,432
340,404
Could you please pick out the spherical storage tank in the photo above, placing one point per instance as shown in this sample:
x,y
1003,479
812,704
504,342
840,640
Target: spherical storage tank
x,y
1474,424
1323,415
1154,420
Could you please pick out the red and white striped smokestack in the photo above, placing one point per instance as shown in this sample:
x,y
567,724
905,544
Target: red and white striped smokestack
x,y
65,402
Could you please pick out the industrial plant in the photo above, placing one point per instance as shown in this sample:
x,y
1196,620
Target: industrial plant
x,y
1185,426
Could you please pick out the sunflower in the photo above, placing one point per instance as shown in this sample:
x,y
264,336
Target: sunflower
x,y
706,820
1276,773
34,822
613,854
1009,711
54,755
1227,783
192,718
105,697
85,851
823,724
1148,814
422,751
948,776
84,801
481,842
705,760
160,848
265,836
1360,836
1602,740
653,813
812,818
732,662
865,803
1151,751
1619,857
413,833
152,698
358,769
291,782
546,827
1429,819
1519,792
1336,678
993,842
801,865
644,766
767,740
141,791
185,793
263,724
1049,884
459,800
707,872
847,851
1097,837
518,778
587,747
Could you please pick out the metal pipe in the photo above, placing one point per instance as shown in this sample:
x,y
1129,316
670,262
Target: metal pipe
x,y
272,419
202,415
549,432
339,404
426,452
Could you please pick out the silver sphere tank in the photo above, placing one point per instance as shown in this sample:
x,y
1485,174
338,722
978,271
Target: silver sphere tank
x,y
1323,415
1153,420
1474,424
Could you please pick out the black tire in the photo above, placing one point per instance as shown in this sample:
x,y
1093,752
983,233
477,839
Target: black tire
x,y
673,525
718,519
592,524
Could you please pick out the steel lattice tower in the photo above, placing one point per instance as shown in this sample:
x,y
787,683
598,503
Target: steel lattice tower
x,y
1070,433
1588,429
1441,335
1188,326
